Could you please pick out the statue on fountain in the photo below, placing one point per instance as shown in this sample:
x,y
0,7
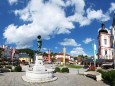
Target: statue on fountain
x,y
39,40
39,60
39,73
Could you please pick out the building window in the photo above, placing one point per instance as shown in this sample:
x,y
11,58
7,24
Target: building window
x,y
105,41
105,52
112,53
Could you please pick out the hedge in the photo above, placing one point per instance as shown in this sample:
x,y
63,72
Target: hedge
x,y
65,69
108,77
18,69
57,69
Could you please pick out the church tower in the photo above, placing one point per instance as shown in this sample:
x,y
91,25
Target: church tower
x,y
104,39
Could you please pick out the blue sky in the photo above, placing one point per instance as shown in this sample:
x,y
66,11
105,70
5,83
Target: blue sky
x,y
70,23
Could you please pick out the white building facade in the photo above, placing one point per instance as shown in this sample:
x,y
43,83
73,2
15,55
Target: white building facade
x,y
61,55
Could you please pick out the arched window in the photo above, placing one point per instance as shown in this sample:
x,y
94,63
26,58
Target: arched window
x,y
105,52
105,41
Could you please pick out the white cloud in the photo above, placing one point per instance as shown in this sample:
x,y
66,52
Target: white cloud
x,y
79,19
79,12
79,5
11,2
58,2
77,51
18,36
99,15
69,42
56,47
44,49
87,40
48,19
112,8
91,15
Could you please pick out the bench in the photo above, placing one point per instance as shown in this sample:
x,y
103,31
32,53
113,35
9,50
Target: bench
x,y
93,74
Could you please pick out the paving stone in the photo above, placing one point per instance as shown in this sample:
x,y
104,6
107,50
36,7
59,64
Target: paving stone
x,y
64,79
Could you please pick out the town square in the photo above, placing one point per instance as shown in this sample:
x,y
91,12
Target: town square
x,y
57,43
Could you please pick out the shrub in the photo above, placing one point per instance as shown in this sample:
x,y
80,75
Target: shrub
x,y
65,69
18,69
57,69
9,67
4,70
100,71
108,77
1,66
113,83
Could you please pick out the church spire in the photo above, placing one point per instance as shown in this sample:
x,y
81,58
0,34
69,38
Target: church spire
x,y
113,24
103,25
103,29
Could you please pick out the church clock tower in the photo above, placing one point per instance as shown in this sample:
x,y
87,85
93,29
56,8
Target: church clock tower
x,y
104,39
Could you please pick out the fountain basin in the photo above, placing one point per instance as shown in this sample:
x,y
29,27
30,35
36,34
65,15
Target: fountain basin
x,y
39,73
39,76
35,75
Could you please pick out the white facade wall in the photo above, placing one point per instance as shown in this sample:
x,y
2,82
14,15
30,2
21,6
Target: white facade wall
x,y
105,48
108,55
103,37
62,56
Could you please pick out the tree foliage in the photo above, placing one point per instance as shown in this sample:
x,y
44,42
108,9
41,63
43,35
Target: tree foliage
x,y
83,57
1,50
28,51
44,54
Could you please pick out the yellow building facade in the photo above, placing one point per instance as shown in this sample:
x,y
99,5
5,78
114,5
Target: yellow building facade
x,y
23,57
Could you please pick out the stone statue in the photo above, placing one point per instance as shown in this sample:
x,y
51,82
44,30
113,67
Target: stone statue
x,y
39,40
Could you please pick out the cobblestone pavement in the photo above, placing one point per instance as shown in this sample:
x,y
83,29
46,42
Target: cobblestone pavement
x,y
14,79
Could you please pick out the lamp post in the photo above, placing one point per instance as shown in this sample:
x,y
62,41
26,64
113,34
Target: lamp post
x,y
94,52
64,52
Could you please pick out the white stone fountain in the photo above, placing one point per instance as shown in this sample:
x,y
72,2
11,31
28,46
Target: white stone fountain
x,y
39,72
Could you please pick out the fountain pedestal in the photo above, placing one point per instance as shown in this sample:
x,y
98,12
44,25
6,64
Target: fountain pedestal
x,y
39,66
39,72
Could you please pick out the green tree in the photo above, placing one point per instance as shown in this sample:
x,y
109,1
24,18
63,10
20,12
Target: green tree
x,y
53,59
1,50
28,51
44,54
83,57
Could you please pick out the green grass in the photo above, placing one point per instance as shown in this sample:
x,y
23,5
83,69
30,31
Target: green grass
x,y
71,66
74,66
